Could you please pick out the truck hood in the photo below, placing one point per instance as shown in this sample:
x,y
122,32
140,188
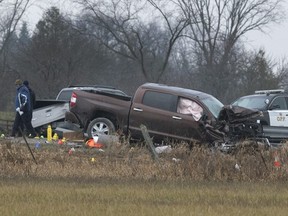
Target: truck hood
x,y
233,124
236,114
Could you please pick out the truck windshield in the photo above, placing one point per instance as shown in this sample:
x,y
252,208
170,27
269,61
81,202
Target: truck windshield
x,y
214,105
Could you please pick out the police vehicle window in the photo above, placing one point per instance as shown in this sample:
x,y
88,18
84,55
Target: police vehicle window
x,y
279,103
160,100
258,102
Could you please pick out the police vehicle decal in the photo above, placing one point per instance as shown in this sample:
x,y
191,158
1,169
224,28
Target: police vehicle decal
x,y
278,118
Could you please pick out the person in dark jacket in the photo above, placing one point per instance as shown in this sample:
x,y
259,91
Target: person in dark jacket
x,y
32,98
23,108
32,94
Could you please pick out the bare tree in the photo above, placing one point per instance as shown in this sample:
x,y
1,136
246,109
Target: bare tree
x,y
257,73
57,53
125,32
282,72
217,25
11,11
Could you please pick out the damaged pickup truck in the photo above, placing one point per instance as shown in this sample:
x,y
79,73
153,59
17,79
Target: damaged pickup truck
x,y
52,111
168,112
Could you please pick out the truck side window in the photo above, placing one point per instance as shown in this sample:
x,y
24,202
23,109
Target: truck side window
x,y
189,107
159,100
278,103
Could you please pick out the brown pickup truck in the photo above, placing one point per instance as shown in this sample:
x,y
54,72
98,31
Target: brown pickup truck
x,y
168,112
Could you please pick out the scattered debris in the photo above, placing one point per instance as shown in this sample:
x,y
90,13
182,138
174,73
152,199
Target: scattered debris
x,y
37,145
176,160
163,149
237,166
71,151
92,144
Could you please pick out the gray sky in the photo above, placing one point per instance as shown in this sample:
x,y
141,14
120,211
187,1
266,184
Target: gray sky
x,y
274,40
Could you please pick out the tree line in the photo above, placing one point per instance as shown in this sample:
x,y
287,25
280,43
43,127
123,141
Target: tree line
x,y
197,44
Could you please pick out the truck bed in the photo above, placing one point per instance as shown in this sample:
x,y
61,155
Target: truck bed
x,y
52,111
92,103
47,111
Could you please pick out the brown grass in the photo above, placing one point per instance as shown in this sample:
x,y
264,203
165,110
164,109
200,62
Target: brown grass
x,y
121,161
125,180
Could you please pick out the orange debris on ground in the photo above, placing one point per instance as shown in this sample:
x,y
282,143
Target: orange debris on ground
x,y
90,143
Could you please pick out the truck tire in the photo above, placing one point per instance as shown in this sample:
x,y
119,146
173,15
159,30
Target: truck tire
x,y
100,126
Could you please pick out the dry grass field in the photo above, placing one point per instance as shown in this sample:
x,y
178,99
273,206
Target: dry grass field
x,y
125,180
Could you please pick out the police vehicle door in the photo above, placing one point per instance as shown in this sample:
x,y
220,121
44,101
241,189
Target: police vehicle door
x,y
278,112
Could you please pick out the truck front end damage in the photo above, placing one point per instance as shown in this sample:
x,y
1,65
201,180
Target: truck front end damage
x,y
234,124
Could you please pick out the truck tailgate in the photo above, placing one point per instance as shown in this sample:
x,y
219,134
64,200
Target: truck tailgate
x,y
50,113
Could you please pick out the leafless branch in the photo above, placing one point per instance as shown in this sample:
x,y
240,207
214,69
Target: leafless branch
x,y
223,22
11,13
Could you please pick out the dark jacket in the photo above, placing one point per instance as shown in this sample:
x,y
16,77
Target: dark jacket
x,y
32,97
22,99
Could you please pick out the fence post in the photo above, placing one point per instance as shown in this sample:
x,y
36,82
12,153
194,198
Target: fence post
x,y
149,142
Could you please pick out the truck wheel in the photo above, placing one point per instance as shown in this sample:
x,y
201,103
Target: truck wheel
x,y
100,126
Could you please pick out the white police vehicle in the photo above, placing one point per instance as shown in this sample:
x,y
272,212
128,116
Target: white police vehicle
x,y
274,105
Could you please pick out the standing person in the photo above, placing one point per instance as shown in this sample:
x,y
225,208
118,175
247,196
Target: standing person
x,y
23,110
32,100
32,96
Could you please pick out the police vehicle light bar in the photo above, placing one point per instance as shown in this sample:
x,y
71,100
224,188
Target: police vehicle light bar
x,y
273,91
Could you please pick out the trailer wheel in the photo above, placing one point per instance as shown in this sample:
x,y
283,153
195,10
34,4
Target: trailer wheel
x,y
100,126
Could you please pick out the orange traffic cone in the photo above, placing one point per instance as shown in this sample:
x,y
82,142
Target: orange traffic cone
x,y
277,163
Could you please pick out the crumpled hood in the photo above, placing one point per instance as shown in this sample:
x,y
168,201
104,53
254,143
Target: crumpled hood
x,y
233,124
236,114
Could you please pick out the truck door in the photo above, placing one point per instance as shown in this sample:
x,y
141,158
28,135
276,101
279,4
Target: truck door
x,y
155,112
278,112
158,112
188,115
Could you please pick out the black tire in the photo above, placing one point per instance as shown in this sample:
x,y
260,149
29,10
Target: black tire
x,y
100,126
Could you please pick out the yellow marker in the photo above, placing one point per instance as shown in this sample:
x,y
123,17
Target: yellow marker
x,y
49,133
55,136
92,159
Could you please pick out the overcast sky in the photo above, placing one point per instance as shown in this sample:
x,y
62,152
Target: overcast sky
x,y
274,41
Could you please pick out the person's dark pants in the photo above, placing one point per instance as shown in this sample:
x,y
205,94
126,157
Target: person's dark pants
x,y
24,119
17,123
